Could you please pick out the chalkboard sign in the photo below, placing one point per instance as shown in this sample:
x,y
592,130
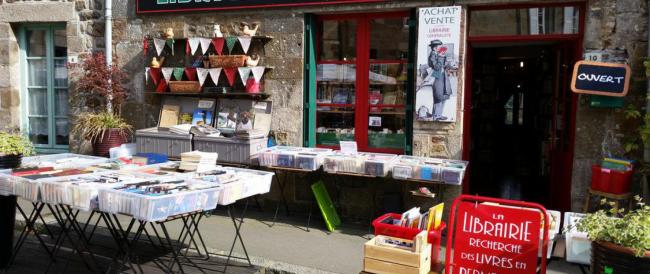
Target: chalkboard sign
x,y
159,6
598,78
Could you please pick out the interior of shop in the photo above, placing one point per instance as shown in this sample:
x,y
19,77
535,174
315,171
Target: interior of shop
x,y
517,119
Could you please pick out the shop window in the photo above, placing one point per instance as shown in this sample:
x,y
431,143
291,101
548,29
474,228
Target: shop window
x,y
361,81
45,76
525,21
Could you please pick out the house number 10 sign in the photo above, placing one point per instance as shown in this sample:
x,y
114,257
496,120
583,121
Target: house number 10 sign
x,y
494,239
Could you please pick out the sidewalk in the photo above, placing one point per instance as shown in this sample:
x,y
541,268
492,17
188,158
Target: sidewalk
x,y
287,247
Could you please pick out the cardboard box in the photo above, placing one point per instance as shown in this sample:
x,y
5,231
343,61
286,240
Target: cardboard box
x,y
382,259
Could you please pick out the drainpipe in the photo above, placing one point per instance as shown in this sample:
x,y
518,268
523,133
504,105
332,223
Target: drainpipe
x,y
646,148
108,44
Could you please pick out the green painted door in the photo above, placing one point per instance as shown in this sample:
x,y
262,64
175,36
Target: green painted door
x,y
45,86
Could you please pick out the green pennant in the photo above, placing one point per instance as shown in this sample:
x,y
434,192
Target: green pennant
x,y
178,73
170,44
230,43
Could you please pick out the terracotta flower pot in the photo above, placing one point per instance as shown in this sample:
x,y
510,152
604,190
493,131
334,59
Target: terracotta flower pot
x,y
112,138
618,258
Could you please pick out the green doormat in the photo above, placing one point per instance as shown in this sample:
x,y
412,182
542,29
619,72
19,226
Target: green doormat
x,y
326,206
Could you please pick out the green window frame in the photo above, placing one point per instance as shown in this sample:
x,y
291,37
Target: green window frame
x,y
52,87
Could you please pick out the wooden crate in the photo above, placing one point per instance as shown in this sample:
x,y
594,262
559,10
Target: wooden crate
x,y
382,259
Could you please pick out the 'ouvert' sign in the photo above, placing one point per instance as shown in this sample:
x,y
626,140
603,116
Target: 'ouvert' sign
x,y
599,78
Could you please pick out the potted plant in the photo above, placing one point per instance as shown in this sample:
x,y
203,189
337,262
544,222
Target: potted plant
x,y
102,94
621,240
13,147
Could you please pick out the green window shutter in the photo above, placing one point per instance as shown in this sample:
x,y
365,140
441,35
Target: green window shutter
x,y
309,112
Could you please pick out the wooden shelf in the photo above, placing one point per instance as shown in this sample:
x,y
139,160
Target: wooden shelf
x,y
387,113
243,95
335,111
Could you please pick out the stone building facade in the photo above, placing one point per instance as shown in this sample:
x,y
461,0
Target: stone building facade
x,y
616,27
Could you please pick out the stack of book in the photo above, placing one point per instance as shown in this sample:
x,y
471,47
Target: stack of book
x,y
198,161
181,129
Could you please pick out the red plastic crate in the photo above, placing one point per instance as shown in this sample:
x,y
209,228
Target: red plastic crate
x,y
384,226
610,180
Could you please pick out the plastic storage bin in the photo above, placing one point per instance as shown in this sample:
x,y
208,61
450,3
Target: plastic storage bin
x,y
609,180
376,164
231,150
578,246
384,226
152,140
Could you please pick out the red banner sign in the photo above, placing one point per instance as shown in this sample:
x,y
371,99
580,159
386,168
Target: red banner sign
x,y
494,239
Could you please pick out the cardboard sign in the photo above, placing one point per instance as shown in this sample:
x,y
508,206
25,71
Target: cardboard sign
x,y
598,78
156,6
348,147
495,239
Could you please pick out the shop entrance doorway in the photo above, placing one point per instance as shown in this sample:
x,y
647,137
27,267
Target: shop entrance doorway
x,y
522,121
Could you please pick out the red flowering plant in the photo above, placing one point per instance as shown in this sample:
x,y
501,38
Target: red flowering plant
x,y
100,85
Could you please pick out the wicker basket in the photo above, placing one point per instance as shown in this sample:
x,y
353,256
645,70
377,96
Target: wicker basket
x,y
184,87
227,61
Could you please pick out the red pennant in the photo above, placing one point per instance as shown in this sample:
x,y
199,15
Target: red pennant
x,y
155,74
145,46
230,74
252,86
218,44
187,47
162,87
191,74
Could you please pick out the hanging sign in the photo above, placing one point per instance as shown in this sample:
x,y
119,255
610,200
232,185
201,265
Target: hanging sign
x,y
607,79
439,43
501,238
157,6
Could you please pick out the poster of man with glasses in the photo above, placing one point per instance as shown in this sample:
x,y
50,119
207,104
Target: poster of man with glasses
x,y
437,80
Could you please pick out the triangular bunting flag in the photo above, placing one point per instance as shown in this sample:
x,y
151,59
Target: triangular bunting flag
x,y
214,74
194,44
230,74
162,86
170,44
244,73
146,75
178,73
190,73
202,74
258,72
218,44
245,42
205,44
155,75
167,73
230,43
160,45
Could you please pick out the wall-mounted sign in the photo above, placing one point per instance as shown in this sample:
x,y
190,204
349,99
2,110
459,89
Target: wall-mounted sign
x,y
501,238
598,78
437,83
157,6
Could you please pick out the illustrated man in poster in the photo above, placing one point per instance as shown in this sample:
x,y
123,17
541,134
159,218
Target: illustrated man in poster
x,y
441,66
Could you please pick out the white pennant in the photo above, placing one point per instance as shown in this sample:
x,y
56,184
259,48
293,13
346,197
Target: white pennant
x,y
258,72
244,72
214,74
167,73
194,44
205,44
245,42
160,45
146,75
202,73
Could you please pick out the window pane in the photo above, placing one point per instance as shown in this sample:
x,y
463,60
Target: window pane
x,y
38,130
61,102
62,131
387,84
37,101
60,73
36,43
336,91
532,21
338,40
389,38
37,70
60,43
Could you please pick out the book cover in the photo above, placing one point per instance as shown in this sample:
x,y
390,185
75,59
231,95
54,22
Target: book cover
x,y
435,216
341,96
374,98
198,117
